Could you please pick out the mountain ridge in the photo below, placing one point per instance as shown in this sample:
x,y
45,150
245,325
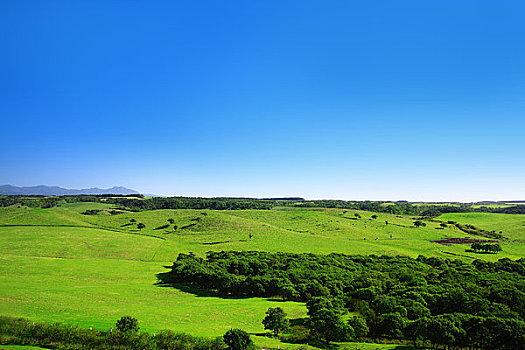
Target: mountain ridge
x,y
44,190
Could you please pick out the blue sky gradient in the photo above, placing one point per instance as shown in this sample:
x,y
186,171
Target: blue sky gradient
x,y
412,100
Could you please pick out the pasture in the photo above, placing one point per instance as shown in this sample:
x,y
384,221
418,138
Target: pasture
x,y
61,265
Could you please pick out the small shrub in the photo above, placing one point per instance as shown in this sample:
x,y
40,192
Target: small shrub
x,y
127,324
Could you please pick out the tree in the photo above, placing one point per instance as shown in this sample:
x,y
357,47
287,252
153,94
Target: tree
x,y
386,222
357,215
275,320
140,226
358,323
418,223
443,225
318,303
444,329
328,325
127,324
374,216
132,220
496,248
171,221
237,339
391,325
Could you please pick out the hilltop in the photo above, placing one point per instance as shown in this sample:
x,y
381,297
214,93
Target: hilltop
x,y
43,190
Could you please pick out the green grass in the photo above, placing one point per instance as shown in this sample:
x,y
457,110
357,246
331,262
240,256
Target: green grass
x,y
97,292
511,225
89,270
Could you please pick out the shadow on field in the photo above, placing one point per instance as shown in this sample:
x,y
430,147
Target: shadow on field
x,y
195,291
185,289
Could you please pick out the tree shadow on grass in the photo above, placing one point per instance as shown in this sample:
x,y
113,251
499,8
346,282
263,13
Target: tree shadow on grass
x,y
195,291
314,343
186,289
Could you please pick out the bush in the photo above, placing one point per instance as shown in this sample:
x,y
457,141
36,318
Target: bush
x,y
237,339
127,324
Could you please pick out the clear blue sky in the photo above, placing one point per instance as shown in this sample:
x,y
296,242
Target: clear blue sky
x,y
416,100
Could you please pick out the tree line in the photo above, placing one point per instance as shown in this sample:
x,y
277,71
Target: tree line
x,y
137,202
125,335
486,247
427,300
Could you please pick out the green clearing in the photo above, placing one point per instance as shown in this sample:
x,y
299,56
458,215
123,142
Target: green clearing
x,y
492,206
59,265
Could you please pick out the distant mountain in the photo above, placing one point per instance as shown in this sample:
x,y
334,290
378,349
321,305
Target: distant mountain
x,y
59,191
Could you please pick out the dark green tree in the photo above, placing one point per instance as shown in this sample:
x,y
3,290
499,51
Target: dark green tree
x,y
391,325
237,339
276,321
419,223
358,323
127,324
328,325
140,226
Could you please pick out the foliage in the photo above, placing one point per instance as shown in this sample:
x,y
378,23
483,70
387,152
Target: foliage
x,y
493,248
328,325
60,336
237,339
276,321
137,202
91,212
395,295
191,203
419,223
127,324
358,324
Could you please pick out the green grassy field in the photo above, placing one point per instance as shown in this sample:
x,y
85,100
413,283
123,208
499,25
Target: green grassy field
x,y
59,265
512,225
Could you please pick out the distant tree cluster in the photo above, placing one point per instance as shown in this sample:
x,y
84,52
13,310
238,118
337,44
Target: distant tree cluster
x,y
190,203
406,208
137,202
91,212
419,223
486,247
29,201
430,300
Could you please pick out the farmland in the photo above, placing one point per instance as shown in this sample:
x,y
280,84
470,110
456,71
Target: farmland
x,y
64,266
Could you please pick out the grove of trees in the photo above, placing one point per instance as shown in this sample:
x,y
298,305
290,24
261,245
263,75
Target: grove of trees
x,y
435,301
486,247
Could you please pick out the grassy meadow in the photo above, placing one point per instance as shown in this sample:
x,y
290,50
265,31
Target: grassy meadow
x,y
59,265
